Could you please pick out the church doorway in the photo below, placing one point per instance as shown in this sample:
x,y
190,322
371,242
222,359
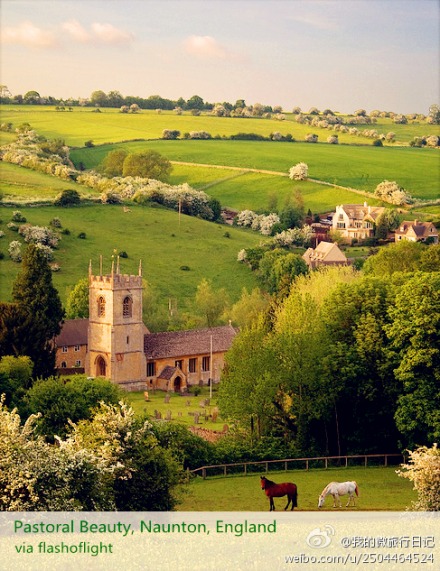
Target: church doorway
x,y
100,367
177,384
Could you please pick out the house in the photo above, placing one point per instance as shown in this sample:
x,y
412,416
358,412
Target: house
x,y
415,231
115,344
325,254
356,221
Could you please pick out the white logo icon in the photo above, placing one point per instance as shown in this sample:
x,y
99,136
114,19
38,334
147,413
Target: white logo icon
x,y
320,538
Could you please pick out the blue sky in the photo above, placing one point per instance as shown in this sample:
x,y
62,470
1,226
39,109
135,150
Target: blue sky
x,y
337,54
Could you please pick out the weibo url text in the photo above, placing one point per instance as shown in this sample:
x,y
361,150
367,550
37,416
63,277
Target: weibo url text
x,y
362,558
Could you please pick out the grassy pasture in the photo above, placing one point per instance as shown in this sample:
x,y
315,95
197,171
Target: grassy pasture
x,y
362,168
110,125
151,234
379,489
19,184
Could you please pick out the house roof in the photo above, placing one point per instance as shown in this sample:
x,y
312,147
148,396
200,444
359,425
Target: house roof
x,y
325,251
361,211
420,229
193,342
73,332
167,373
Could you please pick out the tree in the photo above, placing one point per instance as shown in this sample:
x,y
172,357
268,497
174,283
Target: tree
x,y
414,334
62,399
210,303
32,97
278,269
15,377
113,162
402,256
39,302
77,304
98,98
386,221
430,259
195,102
148,164
248,308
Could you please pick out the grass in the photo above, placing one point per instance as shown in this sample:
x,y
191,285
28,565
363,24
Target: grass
x,y
154,235
379,489
179,407
19,184
362,168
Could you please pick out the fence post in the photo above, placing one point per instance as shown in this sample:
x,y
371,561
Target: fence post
x,y
245,469
366,461
386,460
267,467
204,473
224,470
346,461
326,463
285,466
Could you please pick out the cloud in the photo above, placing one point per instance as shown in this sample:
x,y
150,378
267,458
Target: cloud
x,y
317,21
27,34
110,35
205,47
76,31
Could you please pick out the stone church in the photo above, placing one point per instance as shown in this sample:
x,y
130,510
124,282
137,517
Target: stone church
x,y
115,344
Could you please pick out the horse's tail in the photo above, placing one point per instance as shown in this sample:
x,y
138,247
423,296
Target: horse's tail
x,y
295,498
356,489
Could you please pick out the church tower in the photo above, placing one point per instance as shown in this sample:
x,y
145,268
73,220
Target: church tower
x,y
116,331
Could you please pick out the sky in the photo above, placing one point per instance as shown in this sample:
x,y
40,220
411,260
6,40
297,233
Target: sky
x,y
338,54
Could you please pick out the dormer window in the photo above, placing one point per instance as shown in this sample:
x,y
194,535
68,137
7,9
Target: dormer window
x,y
127,307
101,306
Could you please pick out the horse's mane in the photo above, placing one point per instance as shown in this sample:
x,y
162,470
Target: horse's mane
x,y
269,482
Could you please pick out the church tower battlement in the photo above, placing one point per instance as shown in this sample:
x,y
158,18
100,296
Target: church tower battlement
x,y
116,330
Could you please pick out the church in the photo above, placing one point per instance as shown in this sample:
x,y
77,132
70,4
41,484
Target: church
x,y
115,344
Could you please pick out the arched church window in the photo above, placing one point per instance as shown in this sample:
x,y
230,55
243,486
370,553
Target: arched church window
x,y
101,306
127,307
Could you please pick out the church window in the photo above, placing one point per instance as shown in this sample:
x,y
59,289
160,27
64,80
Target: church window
x,y
178,364
151,369
64,365
77,363
127,307
192,365
76,348
65,349
205,364
101,306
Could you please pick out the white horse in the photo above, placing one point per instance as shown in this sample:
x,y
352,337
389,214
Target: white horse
x,y
337,489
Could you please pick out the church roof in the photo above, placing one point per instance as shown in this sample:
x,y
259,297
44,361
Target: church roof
x,y
167,373
193,342
73,332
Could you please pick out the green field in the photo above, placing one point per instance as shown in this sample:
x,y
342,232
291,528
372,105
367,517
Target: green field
x,y
362,168
151,234
379,489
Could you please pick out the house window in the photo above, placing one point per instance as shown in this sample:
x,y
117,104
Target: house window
x,y
64,365
340,224
77,363
205,364
151,369
178,364
65,349
101,306
77,348
192,365
127,307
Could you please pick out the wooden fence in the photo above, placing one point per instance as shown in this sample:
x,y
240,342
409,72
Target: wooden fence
x,y
298,463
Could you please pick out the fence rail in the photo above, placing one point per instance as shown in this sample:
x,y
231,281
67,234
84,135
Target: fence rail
x,y
298,463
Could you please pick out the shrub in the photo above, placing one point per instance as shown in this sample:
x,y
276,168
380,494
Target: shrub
x,y
391,192
123,254
55,222
68,198
423,470
17,216
377,143
82,236
299,172
14,251
90,143
311,138
170,134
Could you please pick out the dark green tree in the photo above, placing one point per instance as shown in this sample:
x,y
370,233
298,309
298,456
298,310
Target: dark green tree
x,y
63,399
78,301
41,307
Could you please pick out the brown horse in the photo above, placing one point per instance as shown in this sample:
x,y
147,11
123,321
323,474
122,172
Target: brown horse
x,y
273,490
